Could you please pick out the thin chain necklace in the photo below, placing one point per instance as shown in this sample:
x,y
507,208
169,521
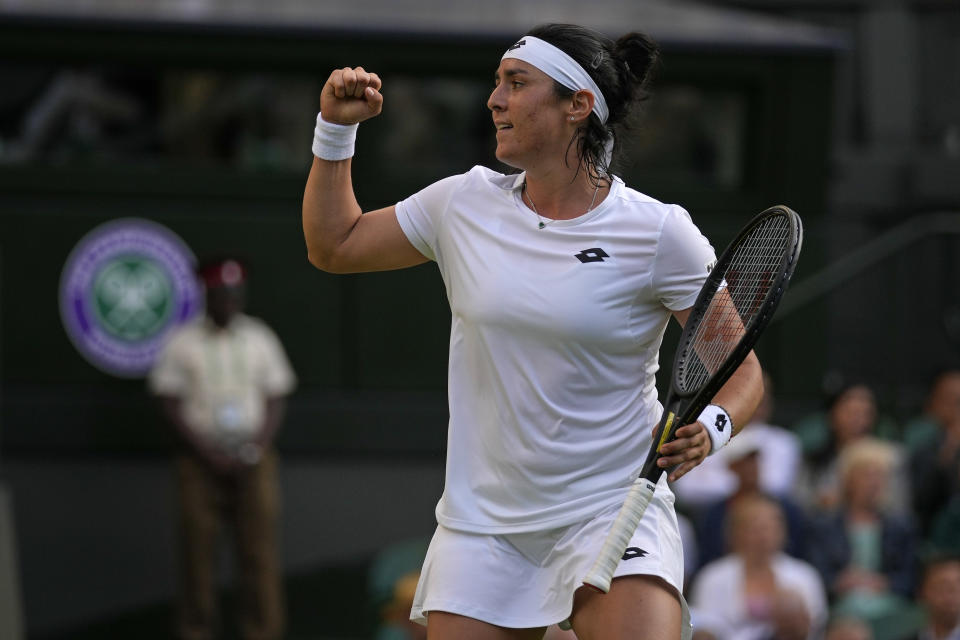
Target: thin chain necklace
x,y
542,224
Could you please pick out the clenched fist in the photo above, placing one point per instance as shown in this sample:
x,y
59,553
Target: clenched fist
x,y
350,96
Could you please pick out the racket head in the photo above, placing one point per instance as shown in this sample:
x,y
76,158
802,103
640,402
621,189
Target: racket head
x,y
741,293
736,303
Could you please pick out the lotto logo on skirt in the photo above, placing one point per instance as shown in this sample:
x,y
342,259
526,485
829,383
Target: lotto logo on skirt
x,y
125,285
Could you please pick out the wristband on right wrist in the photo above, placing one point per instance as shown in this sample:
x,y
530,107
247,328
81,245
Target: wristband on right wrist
x,y
332,141
718,424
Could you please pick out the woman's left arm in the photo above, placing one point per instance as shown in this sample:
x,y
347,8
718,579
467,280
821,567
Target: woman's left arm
x,y
739,396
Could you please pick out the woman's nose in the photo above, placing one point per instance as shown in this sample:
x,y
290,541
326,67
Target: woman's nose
x,y
495,101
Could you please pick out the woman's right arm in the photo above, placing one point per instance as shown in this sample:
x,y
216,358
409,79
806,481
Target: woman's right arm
x,y
340,237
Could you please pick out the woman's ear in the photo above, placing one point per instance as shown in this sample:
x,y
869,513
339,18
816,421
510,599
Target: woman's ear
x,y
581,105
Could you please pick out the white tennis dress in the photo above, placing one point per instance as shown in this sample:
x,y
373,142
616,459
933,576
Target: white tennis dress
x,y
553,349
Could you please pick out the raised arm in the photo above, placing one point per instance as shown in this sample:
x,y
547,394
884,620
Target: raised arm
x,y
341,238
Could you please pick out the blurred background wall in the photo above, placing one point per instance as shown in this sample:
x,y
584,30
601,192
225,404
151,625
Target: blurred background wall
x,y
198,116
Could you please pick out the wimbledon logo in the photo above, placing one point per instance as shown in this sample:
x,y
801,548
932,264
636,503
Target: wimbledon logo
x,y
125,285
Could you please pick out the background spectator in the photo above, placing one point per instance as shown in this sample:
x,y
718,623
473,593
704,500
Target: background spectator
x,y
851,415
743,458
222,380
864,552
935,444
737,595
391,583
942,406
939,595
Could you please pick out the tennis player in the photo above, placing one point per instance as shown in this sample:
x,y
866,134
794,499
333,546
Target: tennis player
x,y
561,281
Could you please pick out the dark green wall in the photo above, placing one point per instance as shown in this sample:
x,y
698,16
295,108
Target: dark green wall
x,y
370,350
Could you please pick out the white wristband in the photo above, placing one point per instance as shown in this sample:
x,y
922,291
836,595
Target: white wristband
x,y
719,426
333,141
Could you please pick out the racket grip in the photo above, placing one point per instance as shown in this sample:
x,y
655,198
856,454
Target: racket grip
x,y
623,528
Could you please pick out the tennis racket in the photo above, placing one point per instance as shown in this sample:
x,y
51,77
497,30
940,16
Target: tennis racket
x,y
734,306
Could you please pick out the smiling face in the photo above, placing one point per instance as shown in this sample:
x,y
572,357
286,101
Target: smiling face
x,y
532,121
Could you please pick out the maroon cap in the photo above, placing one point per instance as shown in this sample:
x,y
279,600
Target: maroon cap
x,y
222,273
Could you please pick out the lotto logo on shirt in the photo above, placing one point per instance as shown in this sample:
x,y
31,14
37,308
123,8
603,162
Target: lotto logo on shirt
x,y
125,285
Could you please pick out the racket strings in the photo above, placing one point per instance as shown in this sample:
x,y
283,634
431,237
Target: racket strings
x,y
746,285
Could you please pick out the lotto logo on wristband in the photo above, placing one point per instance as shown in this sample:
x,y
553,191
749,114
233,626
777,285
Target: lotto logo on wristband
x,y
716,420
721,422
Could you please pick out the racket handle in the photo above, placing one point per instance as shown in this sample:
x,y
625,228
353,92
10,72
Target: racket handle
x,y
623,528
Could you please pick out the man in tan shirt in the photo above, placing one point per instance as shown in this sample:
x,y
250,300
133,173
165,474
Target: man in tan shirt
x,y
222,380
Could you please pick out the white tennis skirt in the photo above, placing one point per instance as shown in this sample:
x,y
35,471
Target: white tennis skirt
x,y
524,580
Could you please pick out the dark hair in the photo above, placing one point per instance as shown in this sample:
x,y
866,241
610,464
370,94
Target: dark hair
x,y
622,70
836,384
939,373
840,393
834,387
933,559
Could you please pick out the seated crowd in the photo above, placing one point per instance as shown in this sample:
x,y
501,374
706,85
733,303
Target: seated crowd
x,y
841,527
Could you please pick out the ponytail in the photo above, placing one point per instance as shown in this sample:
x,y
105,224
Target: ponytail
x,y
640,57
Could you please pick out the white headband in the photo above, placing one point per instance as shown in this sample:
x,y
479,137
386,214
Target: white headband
x,y
559,66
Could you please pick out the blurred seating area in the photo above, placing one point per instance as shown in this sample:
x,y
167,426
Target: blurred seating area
x,y
867,512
